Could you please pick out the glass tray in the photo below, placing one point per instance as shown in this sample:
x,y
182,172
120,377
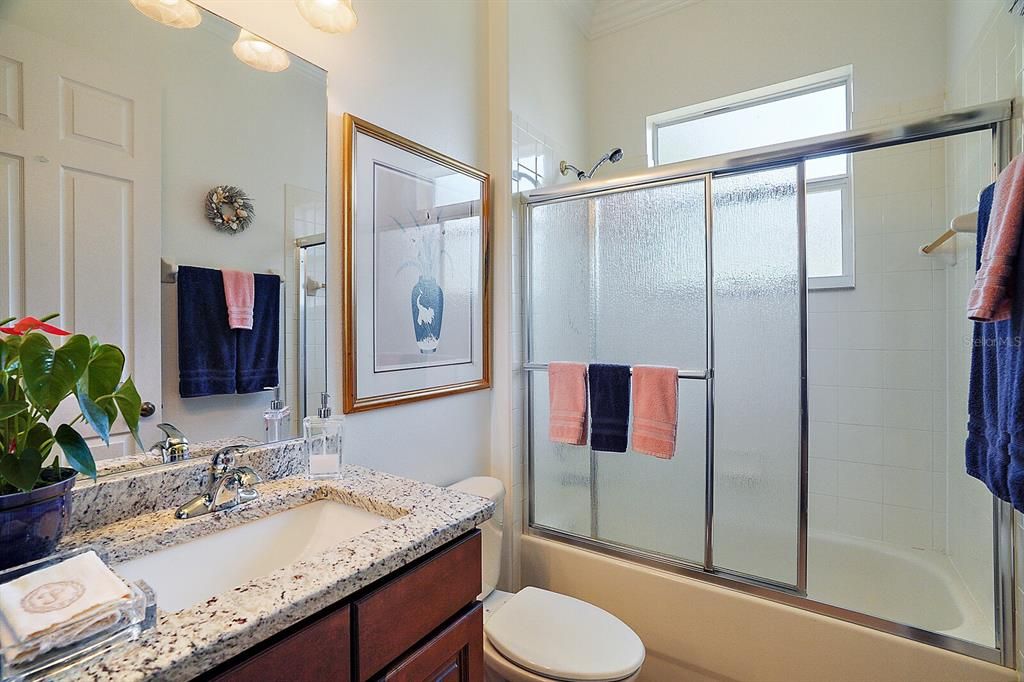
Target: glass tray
x,y
136,615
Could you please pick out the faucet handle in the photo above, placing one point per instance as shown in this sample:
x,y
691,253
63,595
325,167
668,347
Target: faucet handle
x,y
247,477
173,433
174,446
224,459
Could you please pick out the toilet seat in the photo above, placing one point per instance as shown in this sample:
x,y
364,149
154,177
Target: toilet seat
x,y
558,637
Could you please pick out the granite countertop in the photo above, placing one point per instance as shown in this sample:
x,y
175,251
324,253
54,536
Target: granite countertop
x,y
186,643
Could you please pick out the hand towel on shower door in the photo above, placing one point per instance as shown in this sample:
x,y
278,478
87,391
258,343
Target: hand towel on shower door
x,y
609,407
655,408
567,403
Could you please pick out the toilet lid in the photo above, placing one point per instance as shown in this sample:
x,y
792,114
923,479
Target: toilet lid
x,y
563,638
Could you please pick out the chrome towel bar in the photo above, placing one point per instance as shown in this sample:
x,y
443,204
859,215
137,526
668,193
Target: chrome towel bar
x,y
683,373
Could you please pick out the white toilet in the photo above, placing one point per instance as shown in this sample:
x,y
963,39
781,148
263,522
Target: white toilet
x,y
539,636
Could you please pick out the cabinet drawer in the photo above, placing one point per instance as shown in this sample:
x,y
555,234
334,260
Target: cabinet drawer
x,y
393,618
456,654
319,651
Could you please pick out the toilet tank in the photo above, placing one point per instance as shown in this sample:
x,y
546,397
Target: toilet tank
x,y
490,530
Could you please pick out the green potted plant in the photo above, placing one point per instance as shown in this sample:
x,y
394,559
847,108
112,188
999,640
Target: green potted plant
x,y
36,377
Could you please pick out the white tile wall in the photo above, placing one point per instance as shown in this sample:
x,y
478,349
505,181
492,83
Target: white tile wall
x,y
875,365
991,69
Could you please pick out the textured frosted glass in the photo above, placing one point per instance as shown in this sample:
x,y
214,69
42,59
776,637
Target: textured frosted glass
x,y
756,298
651,298
653,504
825,233
622,278
781,120
560,281
561,473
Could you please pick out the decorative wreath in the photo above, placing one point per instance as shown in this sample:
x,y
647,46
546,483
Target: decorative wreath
x,y
229,209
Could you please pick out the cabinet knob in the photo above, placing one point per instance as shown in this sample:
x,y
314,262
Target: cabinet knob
x,y
148,409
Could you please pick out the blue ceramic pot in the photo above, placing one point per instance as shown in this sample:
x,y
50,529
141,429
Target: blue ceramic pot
x,y
32,523
427,311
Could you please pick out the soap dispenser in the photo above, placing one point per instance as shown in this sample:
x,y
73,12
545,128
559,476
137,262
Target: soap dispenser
x,y
323,434
275,418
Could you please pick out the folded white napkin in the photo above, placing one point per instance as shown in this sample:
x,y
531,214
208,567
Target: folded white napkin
x,y
59,605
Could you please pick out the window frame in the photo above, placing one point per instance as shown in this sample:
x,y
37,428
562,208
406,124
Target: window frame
x,y
841,76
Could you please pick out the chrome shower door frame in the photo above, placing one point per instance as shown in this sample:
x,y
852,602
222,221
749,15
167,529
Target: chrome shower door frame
x,y
994,117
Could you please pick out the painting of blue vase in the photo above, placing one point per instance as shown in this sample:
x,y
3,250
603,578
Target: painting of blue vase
x,y
427,313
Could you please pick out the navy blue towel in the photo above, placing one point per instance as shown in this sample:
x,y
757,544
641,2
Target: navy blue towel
x,y
206,346
258,348
609,407
995,403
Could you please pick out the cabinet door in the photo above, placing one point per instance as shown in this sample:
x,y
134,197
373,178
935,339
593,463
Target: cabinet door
x,y
319,652
456,654
404,611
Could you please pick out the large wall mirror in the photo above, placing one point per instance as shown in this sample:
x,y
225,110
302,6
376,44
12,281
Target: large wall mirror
x,y
114,127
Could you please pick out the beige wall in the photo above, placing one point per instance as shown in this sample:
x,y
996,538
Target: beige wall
x,y
418,69
722,47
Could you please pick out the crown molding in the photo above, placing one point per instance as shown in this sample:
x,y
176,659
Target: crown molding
x,y
610,16
597,18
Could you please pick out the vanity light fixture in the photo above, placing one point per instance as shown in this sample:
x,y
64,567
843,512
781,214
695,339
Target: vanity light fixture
x,y
330,16
175,13
259,54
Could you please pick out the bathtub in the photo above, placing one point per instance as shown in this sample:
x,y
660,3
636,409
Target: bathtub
x,y
914,587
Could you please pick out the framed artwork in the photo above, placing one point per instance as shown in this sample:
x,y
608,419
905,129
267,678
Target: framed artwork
x,y
416,271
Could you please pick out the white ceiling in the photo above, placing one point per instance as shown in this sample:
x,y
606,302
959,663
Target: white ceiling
x,y
597,18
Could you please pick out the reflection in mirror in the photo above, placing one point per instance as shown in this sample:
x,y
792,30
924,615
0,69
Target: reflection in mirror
x,y
138,175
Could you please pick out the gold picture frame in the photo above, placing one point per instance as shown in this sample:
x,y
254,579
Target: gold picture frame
x,y
408,222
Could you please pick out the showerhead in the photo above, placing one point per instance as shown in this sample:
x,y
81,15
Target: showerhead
x,y
614,155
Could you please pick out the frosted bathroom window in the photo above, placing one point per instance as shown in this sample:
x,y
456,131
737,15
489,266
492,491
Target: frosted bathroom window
x,y
829,245
757,321
784,112
756,121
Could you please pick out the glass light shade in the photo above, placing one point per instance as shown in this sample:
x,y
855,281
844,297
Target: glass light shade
x,y
330,16
259,54
175,13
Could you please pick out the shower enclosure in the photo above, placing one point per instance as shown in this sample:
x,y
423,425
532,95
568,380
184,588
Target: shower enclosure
x,y
312,322
702,266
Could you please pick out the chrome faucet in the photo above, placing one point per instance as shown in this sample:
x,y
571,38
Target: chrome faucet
x,y
174,446
229,486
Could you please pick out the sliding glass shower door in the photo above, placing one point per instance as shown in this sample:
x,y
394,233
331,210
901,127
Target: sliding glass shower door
x,y
623,277
758,297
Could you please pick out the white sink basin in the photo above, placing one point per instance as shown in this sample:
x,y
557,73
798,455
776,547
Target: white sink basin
x,y
194,571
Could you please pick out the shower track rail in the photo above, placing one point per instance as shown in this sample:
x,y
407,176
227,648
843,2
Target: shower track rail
x,y
994,117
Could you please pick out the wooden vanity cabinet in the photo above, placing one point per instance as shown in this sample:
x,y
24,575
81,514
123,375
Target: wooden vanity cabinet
x,y
456,654
420,624
319,650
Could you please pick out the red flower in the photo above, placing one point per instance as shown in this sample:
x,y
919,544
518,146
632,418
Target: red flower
x,y
27,324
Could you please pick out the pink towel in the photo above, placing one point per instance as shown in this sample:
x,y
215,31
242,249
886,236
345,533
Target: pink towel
x,y
567,393
239,294
655,396
990,298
